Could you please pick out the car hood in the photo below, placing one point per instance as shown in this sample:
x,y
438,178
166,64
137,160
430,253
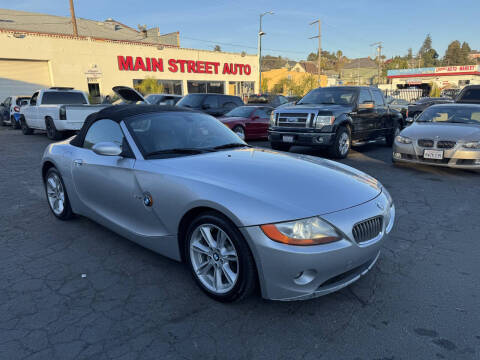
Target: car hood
x,y
128,95
419,130
273,185
333,109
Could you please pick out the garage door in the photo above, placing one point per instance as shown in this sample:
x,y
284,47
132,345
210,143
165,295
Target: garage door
x,y
22,77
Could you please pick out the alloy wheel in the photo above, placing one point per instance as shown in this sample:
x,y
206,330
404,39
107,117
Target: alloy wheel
x,y
240,132
214,258
344,143
55,194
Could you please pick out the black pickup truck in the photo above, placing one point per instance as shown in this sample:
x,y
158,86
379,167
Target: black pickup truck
x,y
333,118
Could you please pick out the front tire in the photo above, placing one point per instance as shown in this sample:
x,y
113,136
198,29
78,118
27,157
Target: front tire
x,y
25,129
280,146
341,144
52,132
57,196
240,131
219,258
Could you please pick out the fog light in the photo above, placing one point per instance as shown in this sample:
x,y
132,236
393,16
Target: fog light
x,y
305,277
397,155
320,140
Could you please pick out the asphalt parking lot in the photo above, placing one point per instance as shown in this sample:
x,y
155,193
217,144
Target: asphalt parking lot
x,y
75,290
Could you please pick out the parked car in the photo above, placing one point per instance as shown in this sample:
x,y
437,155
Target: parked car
x,y
162,99
9,107
450,93
56,110
416,108
267,99
212,104
333,117
442,135
248,122
182,184
469,95
400,105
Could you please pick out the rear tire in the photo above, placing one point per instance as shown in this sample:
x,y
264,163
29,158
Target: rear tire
x,y
14,123
390,138
25,129
223,267
280,146
52,132
341,144
240,131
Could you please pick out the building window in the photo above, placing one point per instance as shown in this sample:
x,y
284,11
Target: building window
x,y
216,87
94,93
165,86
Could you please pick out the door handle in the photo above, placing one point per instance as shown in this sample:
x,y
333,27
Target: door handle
x,y
78,162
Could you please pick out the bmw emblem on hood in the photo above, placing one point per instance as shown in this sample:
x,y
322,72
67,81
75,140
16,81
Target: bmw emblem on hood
x,y
147,200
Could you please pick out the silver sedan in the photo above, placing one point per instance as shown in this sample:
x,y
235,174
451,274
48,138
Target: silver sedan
x,y
442,135
184,185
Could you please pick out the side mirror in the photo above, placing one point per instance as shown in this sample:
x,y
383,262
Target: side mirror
x,y
409,120
107,149
366,105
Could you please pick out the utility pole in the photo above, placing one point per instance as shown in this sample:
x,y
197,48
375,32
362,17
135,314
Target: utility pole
x,y
74,20
379,58
260,34
319,57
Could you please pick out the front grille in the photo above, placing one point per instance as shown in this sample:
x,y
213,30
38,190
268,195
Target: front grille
x,y
368,229
446,144
425,143
293,120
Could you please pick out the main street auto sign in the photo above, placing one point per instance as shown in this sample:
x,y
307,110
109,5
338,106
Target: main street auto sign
x,y
435,71
129,63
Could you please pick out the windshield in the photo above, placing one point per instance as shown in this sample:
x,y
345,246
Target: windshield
x,y
192,100
451,114
164,134
63,98
153,99
241,111
329,95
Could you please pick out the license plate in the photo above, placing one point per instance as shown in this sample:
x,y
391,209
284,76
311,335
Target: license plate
x,y
433,154
288,139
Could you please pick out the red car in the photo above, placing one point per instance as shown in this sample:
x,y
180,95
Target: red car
x,y
248,122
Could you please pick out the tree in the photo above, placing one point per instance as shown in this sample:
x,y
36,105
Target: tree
x,y
312,56
217,48
427,54
397,62
150,86
264,86
466,50
427,45
410,54
453,54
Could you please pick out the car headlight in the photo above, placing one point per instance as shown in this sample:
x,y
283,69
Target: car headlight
x,y
403,139
272,119
304,232
321,121
472,145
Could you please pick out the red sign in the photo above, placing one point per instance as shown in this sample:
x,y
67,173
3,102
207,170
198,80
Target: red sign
x,y
129,63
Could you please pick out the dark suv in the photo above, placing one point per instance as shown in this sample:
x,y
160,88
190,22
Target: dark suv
x,y
333,118
212,104
469,95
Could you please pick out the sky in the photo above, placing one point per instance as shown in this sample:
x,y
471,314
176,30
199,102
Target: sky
x,y
349,25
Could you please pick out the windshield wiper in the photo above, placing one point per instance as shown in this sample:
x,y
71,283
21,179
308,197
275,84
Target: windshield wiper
x,y
230,146
186,151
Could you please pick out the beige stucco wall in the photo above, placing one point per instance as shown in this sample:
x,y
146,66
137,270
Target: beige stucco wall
x,y
69,59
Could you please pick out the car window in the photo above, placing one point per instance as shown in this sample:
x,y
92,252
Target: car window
x,y
22,101
471,94
63,97
283,99
241,111
364,96
263,113
33,100
378,97
103,131
451,114
192,100
6,102
212,101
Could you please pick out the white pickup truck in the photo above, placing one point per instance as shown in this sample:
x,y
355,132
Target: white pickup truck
x,y
56,110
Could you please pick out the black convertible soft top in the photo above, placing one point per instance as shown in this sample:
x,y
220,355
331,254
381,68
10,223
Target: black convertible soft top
x,y
120,112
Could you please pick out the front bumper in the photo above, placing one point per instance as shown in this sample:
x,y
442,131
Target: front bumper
x,y
456,157
289,272
302,138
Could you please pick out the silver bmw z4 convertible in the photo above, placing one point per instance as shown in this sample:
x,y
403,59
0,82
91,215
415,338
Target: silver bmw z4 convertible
x,y
182,184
